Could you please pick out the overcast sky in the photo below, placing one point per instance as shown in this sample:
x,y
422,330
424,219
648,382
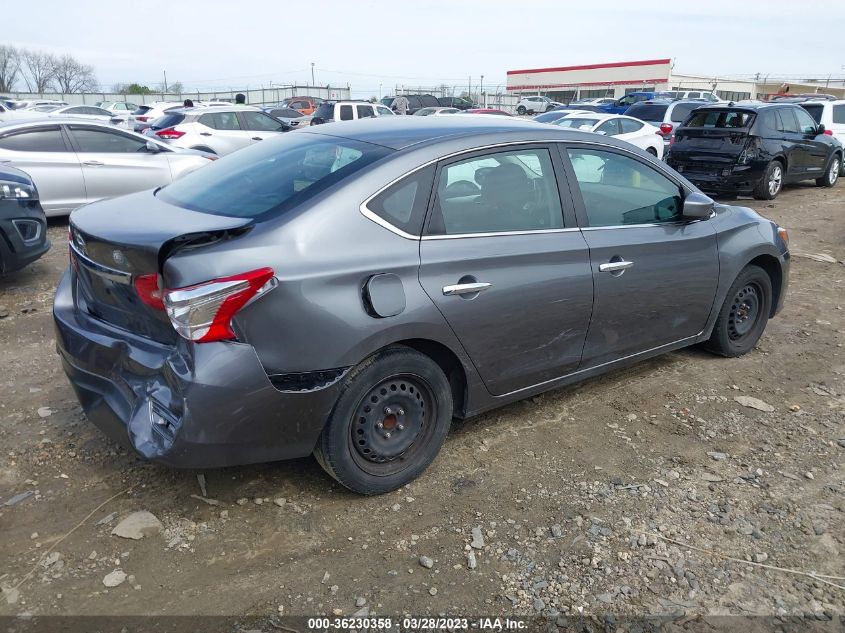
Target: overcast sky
x,y
225,43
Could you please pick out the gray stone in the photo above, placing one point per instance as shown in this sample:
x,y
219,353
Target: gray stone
x,y
477,538
361,613
716,455
360,602
433,591
754,403
138,525
471,562
115,578
280,501
557,532
539,604
426,562
761,557
107,519
18,498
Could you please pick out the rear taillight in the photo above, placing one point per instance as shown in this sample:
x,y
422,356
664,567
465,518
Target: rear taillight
x,y
666,128
143,119
149,292
204,312
169,134
828,132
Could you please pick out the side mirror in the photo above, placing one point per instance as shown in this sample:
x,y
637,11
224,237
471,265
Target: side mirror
x,y
697,206
153,148
820,129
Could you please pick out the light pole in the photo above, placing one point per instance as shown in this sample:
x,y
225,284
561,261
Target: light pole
x,y
481,91
312,74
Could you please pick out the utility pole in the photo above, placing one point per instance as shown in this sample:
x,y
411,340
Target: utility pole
x,y
481,92
469,87
165,82
312,74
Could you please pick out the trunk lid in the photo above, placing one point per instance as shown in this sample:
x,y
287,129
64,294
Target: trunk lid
x,y
714,137
113,242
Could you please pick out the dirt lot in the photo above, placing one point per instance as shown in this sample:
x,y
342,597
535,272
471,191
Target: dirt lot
x,y
625,494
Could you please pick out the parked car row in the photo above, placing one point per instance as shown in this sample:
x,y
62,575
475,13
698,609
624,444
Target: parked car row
x,y
418,102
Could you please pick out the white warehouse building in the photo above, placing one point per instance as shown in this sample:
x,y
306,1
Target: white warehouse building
x,y
616,79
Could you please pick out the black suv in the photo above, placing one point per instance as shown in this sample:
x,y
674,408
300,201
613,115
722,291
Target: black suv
x,y
754,149
455,102
23,227
415,102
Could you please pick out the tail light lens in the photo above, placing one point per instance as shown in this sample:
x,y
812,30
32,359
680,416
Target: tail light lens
x,y
143,119
828,132
666,128
204,312
169,134
149,292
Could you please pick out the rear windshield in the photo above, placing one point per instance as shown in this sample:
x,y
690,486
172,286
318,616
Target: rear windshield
x,y
815,111
142,110
166,121
271,177
324,111
720,119
577,123
647,111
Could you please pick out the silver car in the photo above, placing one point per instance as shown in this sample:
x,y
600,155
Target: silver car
x,y
91,113
73,162
219,130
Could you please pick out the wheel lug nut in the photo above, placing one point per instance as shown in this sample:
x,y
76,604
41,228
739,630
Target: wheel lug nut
x,y
400,412
400,427
387,435
379,425
388,411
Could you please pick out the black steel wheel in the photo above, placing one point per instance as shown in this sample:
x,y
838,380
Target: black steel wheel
x,y
390,420
744,313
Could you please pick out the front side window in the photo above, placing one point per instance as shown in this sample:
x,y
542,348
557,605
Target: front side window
x,y
40,140
365,111
498,192
100,141
608,128
382,111
346,113
271,178
805,121
260,122
620,191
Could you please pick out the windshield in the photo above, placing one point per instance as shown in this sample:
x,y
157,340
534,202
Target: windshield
x,y
387,101
577,123
814,110
271,177
548,117
647,111
168,120
720,119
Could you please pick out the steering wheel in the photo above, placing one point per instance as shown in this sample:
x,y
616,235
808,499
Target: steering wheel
x,y
461,188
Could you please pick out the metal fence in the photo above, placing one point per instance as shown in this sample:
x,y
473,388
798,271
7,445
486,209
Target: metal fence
x,y
254,96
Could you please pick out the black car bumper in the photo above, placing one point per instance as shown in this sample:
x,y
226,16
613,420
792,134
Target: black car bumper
x,y
23,235
188,406
737,179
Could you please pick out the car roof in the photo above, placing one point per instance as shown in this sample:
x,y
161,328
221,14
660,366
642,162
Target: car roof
x,y
57,120
831,102
213,109
403,132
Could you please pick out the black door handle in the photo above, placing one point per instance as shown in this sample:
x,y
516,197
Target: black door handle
x,y
205,133
256,138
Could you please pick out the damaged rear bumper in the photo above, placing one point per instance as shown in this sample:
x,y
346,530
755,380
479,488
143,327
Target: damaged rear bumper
x,y
188,405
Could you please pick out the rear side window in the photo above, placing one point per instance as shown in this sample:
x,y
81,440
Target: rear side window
x,y
261,122
325,111
141,110
682,111
41,140
403,204
346,113
629,126
221,121
786,121
647,111
839,113
720,119
271,178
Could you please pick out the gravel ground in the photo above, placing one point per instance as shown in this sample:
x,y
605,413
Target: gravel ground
x,y
654,490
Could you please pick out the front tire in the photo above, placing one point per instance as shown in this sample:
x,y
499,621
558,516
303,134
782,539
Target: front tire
x,y
769,186
520,110
390,420
832,174
743,315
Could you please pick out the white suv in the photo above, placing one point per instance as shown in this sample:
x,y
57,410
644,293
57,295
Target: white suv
x,y
831,114
217,130
330,111
531,105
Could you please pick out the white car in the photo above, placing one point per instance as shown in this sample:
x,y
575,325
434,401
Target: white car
x,y
146,113
689,94
329,111
625,128
436,111
91,113
831,114
594,101
535,105
216,130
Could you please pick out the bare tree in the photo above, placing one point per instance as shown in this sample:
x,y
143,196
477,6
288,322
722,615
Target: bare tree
x,y
70,75
10,65
38,69
175,88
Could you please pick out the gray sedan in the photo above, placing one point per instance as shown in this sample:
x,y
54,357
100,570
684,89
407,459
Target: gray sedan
x,y
349,290
73,162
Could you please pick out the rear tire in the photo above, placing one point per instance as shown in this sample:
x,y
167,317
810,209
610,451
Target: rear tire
x,y
832,174
769,186
520,110
743,315
391,418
